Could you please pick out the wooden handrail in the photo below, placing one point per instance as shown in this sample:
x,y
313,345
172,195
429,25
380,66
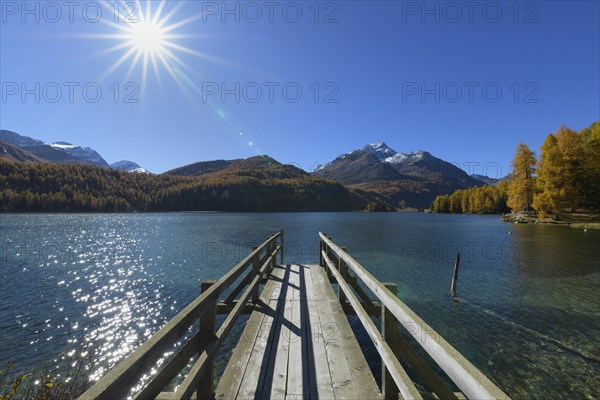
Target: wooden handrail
x,y
405,385
118,381
472,382
186,389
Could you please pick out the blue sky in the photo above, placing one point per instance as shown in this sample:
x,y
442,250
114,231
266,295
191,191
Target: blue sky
x,y
466,83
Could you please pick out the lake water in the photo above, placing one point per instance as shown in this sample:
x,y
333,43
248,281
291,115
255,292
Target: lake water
x,y
527,315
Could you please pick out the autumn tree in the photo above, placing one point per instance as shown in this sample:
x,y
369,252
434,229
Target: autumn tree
x,y
591,173
565,176
522,179
546,200
572,180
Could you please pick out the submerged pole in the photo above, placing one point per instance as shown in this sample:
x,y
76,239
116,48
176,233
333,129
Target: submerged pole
x,y
455,277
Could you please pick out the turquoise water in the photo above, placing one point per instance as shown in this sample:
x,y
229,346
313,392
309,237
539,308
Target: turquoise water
x,y
527,315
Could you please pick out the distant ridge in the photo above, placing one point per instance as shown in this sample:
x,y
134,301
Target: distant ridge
x,y
374,172
410,179
14,153
488,180
128,166
60,152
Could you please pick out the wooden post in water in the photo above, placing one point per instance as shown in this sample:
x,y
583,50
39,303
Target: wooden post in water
x,y
389,331
207,334
455,277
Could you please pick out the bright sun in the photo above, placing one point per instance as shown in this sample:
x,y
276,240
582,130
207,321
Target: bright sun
x,y
147,37
150,40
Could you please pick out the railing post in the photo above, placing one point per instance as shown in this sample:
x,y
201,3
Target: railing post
x,y
321,253
322,247
207,334
389,331
255,270
281,250
272,247
343,268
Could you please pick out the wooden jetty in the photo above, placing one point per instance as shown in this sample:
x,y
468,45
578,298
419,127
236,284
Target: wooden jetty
x,y
297,342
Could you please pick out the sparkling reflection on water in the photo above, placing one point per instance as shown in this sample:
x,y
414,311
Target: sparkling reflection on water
x,y
528,314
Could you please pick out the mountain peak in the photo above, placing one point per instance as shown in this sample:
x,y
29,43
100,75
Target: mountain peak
x,y
129,166
413,156
412,178
381,150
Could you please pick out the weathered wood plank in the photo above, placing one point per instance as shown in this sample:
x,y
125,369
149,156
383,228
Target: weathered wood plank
x,y
298,374
365,385
275,381
319,378
250,385
336,333
234,371
310,337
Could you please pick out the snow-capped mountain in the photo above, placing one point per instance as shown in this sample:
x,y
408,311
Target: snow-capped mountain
x,y
64,152
381,150
84,153
129,166
412,178
386,154
17,140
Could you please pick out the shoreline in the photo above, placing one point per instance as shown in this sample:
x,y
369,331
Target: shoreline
x,y
523,218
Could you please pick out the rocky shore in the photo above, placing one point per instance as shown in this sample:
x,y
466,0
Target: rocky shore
x,y
523,217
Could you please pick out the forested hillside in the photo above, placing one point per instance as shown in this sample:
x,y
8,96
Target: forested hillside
x,y
270,186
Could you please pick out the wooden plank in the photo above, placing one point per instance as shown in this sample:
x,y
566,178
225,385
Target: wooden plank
x,y
472,382
336,335
274,383
319,377
297,386
403,382
333,316
231,379
250,386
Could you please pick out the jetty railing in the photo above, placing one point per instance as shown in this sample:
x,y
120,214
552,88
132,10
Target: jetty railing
x,y
390,344
204,344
